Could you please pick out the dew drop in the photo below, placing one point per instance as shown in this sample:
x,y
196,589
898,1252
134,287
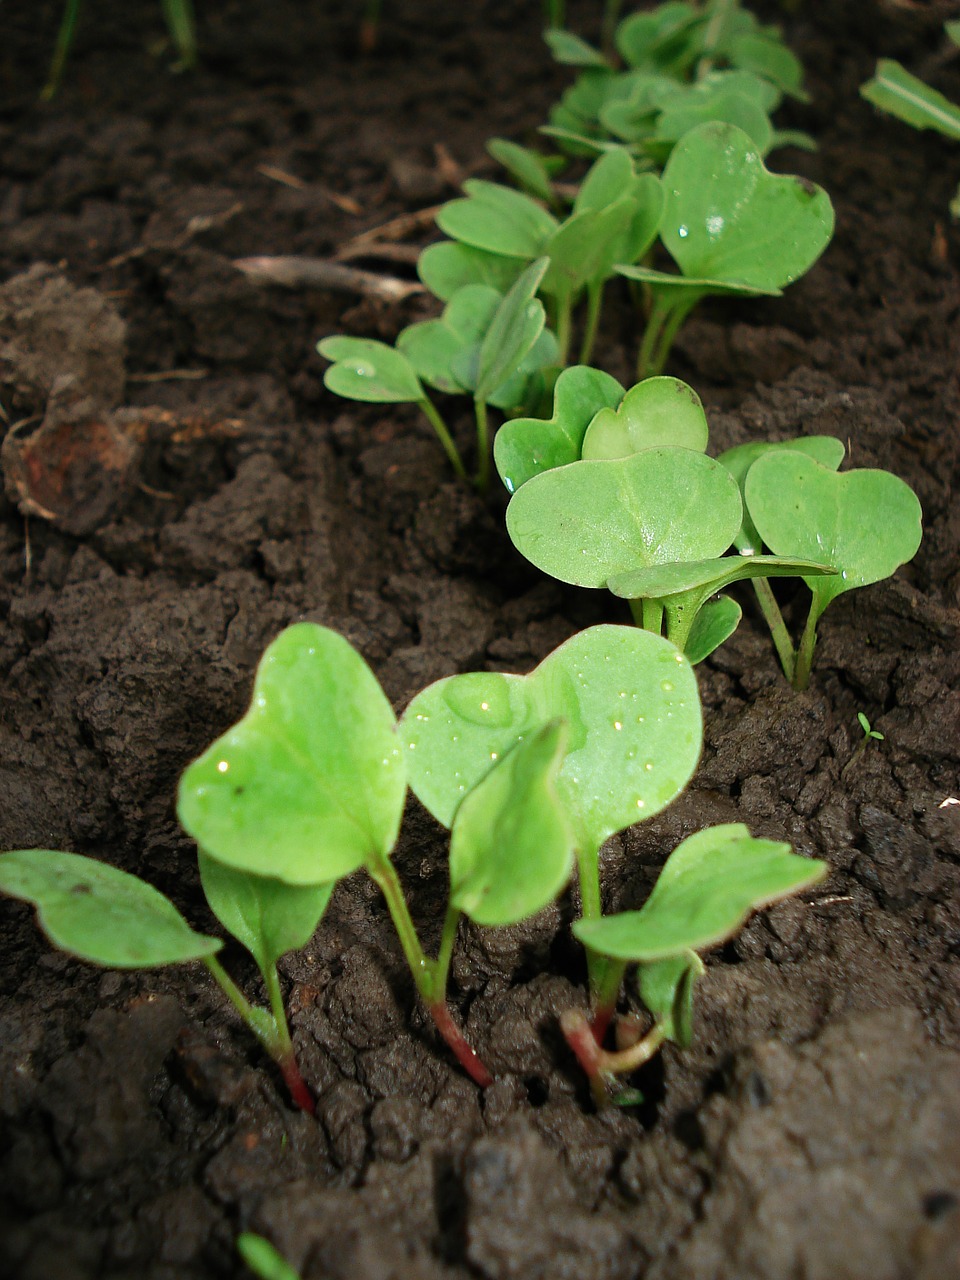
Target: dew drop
x,y
683,232
223,766
363,370
493,755
648,765
617,725
666,686
484,706
412,746
641,804
261,700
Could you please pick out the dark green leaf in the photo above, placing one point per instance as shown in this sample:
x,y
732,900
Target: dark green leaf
x,y
666,988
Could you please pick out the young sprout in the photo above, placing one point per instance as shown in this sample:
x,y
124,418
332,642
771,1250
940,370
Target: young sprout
x,y
869,735
105,916
708,887
653,528
485,345
894,90
731,226
263,1259
865,523
632,708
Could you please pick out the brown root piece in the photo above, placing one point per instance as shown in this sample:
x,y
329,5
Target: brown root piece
x,y
319,273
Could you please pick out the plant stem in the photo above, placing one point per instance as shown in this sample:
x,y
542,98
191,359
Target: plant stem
x,y
594,303
605,998
564,324
588,867
778,628
183,31
272,1031
611,16
554,14
483,446
430,976
432,415
808,642
648,344
65,34
652,613
602,1067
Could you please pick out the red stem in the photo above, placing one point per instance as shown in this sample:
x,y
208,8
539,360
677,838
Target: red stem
x,y
295,1082
459,1045
581,1038
600,1022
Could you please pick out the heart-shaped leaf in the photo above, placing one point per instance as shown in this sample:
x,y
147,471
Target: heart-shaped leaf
x,y
101,914
585,248
434,347
728,221
497,219
771,59
657,411
570,50
827,450
630,701
267,916
526,446
369,370
310,784
511,847
664,38
666,988
590,521
866,523
448,266
695,109
709,885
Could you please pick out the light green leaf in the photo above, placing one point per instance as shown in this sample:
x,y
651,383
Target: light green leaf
x,y
894,90
263,1259
572,51
709,886
631,703
514,327
435,348
737,109
771,59
585,248
448,266
716,621
267,916
590,521
524,447
608,180
866,523
827,450
369,370
666,988
497,219
96,912
511,847
661,581
526,167
653,412
310,784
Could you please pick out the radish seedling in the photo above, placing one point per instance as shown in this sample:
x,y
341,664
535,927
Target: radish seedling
x,y
263,1259
869,735
630,700
653,527
615,218
708,887
485,345
731,226
103,915
866,523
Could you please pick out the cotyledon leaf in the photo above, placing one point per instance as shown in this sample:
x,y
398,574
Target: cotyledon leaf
x,y
656,411
310,784
99,913
364,369
707,888
630,700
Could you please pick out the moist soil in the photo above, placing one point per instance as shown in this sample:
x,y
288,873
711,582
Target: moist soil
x,y
180,487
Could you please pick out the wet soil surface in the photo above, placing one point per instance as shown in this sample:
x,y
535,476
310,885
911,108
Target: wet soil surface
x,y
812,1129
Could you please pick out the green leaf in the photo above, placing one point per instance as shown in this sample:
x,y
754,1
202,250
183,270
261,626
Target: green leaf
x,y
497,219
709,886
100,914
866,523
656,411
894,90
666,988
448,266
524,447
585,248
771,59
827,450
588,522
436,348
729,223
267,916
511,847
310,784
263,1259
631,703
526,167
716,621
664,39
660,581
572,51
953,31
608,180
369,370
515,326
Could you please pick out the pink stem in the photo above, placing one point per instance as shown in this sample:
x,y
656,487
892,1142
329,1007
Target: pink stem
x,y
459,1045
295,1082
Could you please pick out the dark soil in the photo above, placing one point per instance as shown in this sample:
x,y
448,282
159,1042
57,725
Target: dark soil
x,y
813,1130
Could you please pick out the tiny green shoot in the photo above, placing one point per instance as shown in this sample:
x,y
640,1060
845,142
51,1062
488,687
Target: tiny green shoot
x,y
708,887
263,1259
869,735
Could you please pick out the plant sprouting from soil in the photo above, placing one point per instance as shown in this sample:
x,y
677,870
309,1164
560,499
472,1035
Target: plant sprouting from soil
x,y
894,90
708,887
103,915
869,735
731,226
263,1259
488,344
